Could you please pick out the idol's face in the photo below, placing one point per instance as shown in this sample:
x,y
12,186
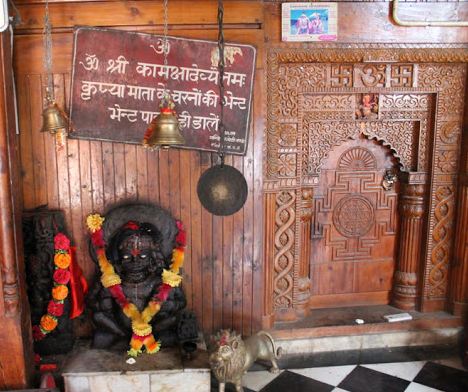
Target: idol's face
x,y
137,257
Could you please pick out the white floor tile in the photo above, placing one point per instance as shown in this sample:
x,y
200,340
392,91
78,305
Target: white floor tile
x,y
257,380
405,370
338,390
415,387
331,375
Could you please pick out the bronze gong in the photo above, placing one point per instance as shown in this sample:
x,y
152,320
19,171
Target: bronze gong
x,y
222,190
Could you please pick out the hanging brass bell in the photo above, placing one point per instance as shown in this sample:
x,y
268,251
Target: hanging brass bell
x,y
54,119
163,131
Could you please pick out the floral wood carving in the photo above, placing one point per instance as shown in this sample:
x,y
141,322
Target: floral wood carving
x,y
442,235
450,132
398,135
404,102
411,82
284,249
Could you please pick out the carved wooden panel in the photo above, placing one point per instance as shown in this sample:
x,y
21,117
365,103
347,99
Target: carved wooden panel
x,y
354,224
407,99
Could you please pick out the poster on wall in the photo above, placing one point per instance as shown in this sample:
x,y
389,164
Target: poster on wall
x,y
309,22
119,78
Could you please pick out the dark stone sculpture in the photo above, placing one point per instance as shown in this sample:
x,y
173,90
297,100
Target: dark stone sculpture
x,y
140,240
39,229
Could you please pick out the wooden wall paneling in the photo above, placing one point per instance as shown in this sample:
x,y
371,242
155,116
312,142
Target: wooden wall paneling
x,y
152,159
217,252
62,46
96,176
459,273
268,315
174,181
361,21
237,260
195,232
86,196
185,217
139,13
131,171
141,160
207,258
25,140
227,270
38,148
247,239
119,173
258,120
108,174
164,179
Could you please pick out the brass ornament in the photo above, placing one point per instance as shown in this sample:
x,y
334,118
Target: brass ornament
x,y
55,120
222,189
231,357
163,131
389,180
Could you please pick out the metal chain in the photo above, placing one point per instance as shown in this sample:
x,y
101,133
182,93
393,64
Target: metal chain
x,y
221,78
48,50
165,49
165,32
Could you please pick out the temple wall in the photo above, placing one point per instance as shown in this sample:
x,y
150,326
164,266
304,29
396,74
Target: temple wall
x,y
224,270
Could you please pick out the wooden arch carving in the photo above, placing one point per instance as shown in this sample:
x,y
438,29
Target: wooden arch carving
x,y
314,102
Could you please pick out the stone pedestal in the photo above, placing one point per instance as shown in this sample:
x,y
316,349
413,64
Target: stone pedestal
x,y
90,370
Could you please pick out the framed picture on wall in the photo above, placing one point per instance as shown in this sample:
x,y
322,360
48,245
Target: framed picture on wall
x,y
309,22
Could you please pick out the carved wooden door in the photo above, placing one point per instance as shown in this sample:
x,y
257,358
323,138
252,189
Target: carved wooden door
x,y
354,227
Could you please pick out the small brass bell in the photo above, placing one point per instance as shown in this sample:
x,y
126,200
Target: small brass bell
x,y
163,131
54,119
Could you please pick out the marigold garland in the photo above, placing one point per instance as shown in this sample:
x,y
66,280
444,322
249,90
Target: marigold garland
x,y
61,277
142,335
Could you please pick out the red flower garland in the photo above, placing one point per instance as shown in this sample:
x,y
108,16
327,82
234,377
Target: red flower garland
x,y
61,277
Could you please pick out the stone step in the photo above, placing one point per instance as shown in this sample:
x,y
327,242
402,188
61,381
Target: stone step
x,y
91,370
327,330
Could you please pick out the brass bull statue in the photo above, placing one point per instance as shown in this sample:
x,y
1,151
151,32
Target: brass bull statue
x,y
232,357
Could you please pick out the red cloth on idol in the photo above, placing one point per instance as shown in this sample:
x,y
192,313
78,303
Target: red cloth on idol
x,y
78,286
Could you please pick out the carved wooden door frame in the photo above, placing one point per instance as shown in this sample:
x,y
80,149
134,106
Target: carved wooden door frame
x,y
420,76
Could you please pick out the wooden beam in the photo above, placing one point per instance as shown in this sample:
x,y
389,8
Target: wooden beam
x,y
15,334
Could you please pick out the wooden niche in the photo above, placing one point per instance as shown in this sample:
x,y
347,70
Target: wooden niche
x,y
343,121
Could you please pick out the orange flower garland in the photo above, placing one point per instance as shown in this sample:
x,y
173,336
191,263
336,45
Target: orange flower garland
x,y
141,321
61,277
60,292
62,260
48,322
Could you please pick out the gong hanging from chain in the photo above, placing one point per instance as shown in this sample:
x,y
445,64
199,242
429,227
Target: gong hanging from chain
x,y
222,189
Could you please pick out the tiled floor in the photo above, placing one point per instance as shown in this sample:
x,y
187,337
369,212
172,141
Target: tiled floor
x,y
416,376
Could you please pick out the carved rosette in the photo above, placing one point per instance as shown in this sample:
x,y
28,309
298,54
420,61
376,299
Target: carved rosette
x,y
409,257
